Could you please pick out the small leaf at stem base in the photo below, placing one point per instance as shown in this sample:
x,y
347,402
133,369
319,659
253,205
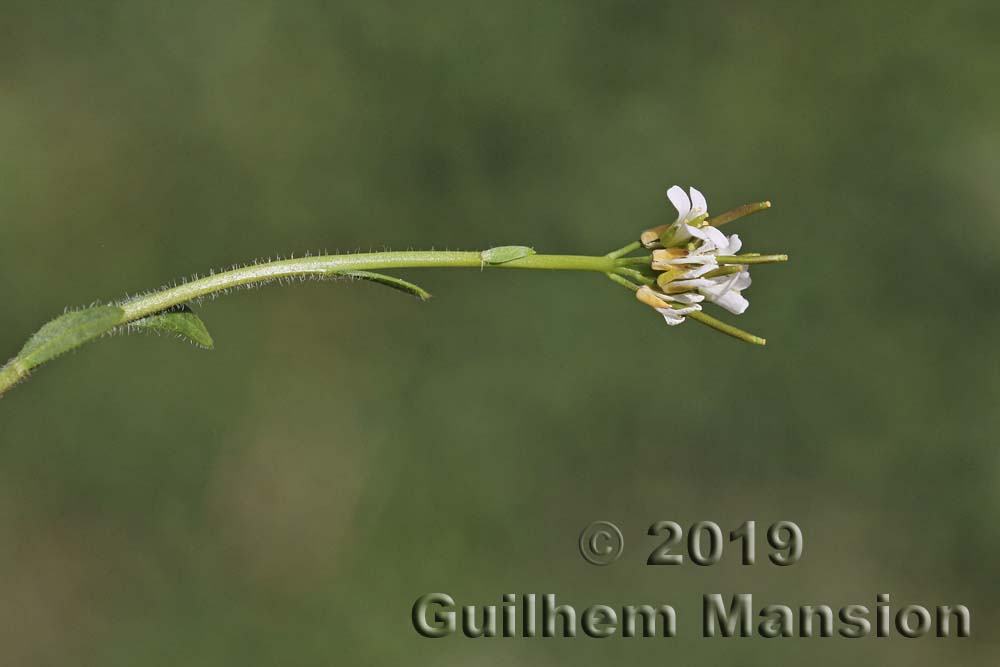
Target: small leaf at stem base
x,y
389,281
180,321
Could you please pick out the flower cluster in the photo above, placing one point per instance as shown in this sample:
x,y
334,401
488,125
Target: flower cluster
x,y
693,262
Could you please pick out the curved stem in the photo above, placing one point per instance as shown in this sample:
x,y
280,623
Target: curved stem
x,y
325,265
328,265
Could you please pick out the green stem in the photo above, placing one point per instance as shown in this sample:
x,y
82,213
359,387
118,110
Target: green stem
x,y
751,259
624,250
727,329
624,282
723,271
634,275
635,261
18,369
331,265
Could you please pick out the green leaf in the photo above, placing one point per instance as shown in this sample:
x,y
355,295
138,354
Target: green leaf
x,y
180,321
389,281
67,332
505,253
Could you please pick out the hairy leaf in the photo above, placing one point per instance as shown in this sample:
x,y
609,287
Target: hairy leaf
x,y
67,332
506,253
389,281
180,321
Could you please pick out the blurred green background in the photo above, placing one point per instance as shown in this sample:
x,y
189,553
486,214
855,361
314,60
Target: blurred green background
x,y
284,499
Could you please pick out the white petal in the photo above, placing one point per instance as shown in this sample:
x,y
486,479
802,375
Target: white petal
x,y
682,234
698,272
732,301
705,251
725,292
691,259
670,316
736,281
698,203
687,297
734,245
699,234
673,316
695,282
719,285
716,237
680,200
742,281
710,237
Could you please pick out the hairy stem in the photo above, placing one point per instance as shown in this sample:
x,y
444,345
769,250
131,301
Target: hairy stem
x,y
140,307
330,265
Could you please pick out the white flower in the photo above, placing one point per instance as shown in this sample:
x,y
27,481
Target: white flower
x,y
724,291
688,210
660,302
692,265
703,258
692,272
